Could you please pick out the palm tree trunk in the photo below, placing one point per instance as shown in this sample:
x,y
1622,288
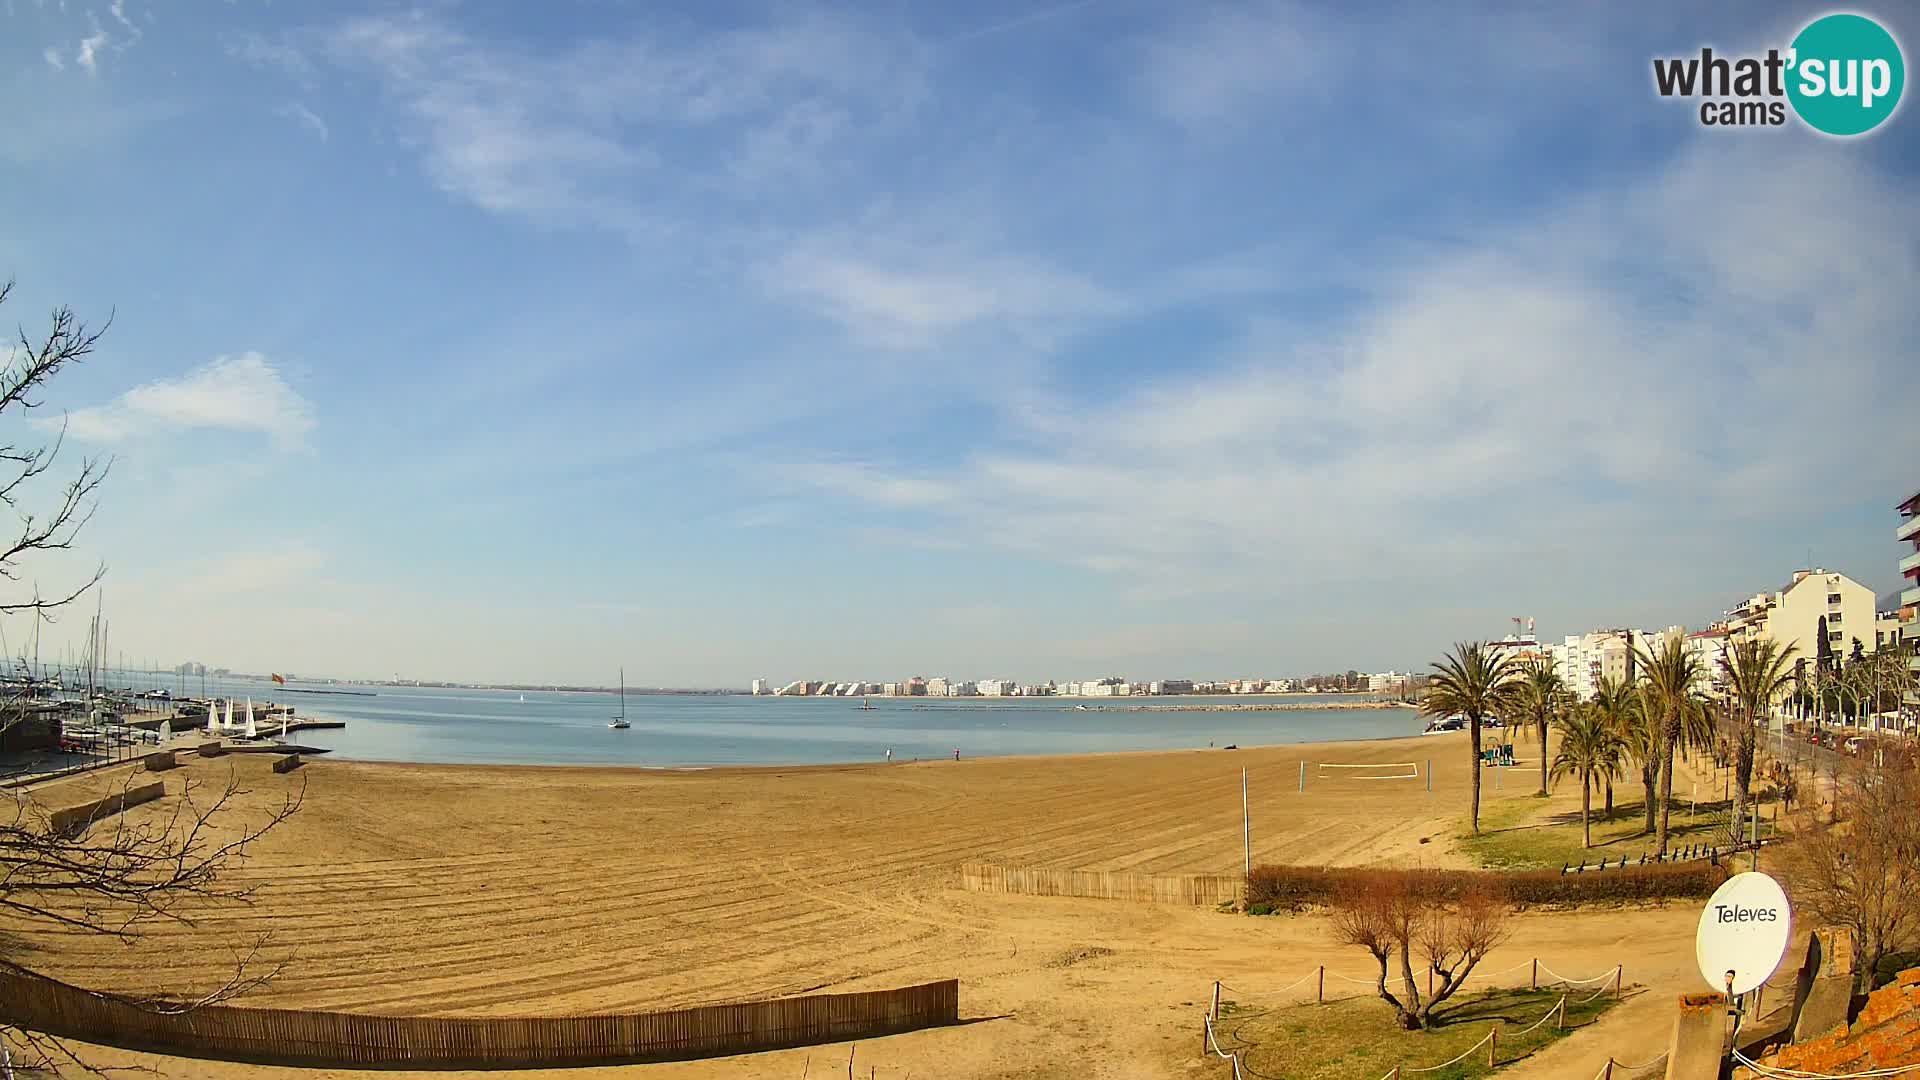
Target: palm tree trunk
x,y
1608,816
1649,773
1666,788
1473,725
1586,802
1742,779
1541,730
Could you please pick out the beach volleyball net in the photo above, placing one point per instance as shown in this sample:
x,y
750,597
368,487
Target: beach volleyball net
x,y
1370,770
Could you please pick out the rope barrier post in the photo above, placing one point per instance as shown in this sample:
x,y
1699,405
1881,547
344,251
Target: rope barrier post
x,y
1320,994
1560,1021
1214,1013
1607,1073
1535,983
1206,1037
1493,1046
1618,969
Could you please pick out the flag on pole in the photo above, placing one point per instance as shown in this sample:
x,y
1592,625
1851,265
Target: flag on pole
x,y
279,678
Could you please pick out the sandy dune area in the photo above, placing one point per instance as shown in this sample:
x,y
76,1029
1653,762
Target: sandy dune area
x,y
417,889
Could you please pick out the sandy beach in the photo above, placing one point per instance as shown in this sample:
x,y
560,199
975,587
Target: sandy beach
x,y
476,890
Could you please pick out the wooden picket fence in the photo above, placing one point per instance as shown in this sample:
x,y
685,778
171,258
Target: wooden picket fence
x,y
300,1037
1198,889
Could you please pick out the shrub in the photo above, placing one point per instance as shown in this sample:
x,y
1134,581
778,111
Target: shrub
x,y
1290,888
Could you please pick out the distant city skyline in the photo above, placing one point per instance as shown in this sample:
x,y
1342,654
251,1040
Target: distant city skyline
x,y
1016,339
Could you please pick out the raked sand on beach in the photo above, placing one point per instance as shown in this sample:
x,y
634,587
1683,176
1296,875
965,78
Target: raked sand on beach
x,y
480,890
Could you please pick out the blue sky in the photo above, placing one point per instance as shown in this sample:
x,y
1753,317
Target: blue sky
x,y
1015,340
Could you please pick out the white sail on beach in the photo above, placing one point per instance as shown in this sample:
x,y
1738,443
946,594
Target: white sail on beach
x,y
226,724
166,731
252,732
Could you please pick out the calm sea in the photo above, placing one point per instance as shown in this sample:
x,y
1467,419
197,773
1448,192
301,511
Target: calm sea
x,y
549,728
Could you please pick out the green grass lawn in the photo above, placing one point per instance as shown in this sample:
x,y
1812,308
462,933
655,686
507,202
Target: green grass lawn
x,y
1358,1039
1518,832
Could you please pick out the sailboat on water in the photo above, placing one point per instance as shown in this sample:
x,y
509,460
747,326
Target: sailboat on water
x,y
619,723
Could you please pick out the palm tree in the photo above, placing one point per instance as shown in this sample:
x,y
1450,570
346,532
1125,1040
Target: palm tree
x,y
1475,681
1668,677
1590,749
1539,696
1759,671
1618,704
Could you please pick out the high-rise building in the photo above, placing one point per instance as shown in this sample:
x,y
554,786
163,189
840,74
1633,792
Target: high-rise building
x,y
759,687
1909,533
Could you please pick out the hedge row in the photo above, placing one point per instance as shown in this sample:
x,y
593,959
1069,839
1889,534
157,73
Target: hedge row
x,y
1278,888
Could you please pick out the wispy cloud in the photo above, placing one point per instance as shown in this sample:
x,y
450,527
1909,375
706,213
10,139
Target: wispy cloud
x,y
582,133
118,9
1220,64
52,57
1595,373
273,54
233,393
900,300
304,116
255,571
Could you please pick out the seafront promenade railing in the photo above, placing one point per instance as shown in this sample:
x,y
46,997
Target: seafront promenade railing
x,y
302,1037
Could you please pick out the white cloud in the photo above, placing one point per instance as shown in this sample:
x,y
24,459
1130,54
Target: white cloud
x,y
233,393
52,56
306,117
90,48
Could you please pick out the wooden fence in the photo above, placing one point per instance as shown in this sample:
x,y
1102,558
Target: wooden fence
x,y
68,818
298,1037
1199,889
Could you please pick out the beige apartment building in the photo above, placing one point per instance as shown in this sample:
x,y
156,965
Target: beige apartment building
x,y
1792,615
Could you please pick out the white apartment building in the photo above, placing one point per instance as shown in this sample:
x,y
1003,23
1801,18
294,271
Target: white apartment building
x,y
1387,682
759,687
937,686
996,687
1582,660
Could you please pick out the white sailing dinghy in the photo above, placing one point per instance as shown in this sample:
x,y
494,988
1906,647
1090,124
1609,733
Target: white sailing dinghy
x,y
166,731
619,723
226,723
252,731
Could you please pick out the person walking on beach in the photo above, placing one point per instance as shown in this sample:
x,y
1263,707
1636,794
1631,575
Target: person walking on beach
x,y
889,755
956,753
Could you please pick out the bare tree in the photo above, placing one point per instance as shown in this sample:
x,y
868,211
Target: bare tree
x,y
29,366
1864,870
108,876
1398,914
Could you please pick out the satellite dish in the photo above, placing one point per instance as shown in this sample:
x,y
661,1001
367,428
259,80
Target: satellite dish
x,y
1743,932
